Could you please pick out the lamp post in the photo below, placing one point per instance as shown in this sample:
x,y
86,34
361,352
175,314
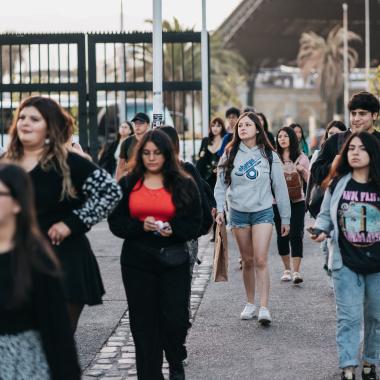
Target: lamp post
x,y
345,62
367,43
157,64
205,73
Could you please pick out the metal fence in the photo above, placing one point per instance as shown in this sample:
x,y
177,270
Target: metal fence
x,y
103,79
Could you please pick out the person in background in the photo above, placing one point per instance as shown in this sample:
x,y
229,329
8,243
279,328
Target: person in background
x,y
110,154
264,122
351,210
2,150
160,211
36,340
71,195
141,123
364,110
208,153
304,147
232,115
335,126
296,170
249,169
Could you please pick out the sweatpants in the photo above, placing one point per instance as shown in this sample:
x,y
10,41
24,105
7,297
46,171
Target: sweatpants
x,y
158,301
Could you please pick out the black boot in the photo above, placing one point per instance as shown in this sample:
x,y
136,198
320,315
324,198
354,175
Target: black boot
x,y
177,372
371,375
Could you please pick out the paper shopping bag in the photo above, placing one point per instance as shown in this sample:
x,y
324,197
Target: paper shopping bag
x,y
220,254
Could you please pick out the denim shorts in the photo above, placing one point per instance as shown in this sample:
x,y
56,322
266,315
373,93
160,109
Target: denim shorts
x,y
240,219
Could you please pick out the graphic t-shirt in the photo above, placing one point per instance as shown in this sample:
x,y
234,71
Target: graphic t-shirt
x,y
359,227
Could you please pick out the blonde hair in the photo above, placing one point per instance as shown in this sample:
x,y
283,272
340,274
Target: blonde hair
x,y
59,129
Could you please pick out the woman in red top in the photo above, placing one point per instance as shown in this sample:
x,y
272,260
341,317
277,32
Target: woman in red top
x,y
160,211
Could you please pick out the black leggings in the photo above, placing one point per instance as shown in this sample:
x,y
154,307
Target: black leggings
x,y
295,237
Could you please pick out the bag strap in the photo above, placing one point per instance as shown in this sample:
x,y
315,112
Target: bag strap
x,y
341,139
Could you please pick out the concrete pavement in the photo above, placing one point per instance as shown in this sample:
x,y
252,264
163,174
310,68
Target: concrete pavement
x,y
300,344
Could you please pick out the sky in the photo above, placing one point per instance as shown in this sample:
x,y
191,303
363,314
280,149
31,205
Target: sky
x,y
104,15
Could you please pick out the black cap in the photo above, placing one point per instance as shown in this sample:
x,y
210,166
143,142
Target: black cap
x,y
141,116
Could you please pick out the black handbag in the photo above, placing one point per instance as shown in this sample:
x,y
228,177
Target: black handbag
x,y
314,200
174,255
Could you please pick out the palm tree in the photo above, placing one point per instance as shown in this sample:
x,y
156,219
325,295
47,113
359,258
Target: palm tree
x,y
325,58
183,62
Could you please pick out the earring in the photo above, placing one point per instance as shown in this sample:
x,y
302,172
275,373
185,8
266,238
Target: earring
x,y
47,141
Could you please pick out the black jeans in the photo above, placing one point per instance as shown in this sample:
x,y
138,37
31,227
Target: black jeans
x,y
295,237
158,301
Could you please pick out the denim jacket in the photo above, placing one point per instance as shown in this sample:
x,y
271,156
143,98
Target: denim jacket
x,y
327,220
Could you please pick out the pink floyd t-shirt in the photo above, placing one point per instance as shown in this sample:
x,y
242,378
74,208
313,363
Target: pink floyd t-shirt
x,y
359,227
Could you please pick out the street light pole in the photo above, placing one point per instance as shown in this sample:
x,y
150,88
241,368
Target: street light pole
x,y
367,43
205,73
345,62
157,64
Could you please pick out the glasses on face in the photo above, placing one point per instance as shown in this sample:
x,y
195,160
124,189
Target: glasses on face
x,y
5,194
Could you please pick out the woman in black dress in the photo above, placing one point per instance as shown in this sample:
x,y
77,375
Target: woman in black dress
x,y
208,158
71,193
36,342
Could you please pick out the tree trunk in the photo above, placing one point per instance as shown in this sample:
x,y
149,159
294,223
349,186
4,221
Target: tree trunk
x,y
330,110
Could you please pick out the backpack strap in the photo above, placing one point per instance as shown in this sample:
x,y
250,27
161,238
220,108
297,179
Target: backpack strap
x,y
269,154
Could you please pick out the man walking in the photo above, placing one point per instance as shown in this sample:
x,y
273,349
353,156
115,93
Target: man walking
x,y
141,125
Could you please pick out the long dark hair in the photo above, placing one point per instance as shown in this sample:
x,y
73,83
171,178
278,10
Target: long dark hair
x,y
295,125
233,147
372,146
216,120
176,181
60,127
31,251
294,146
334,123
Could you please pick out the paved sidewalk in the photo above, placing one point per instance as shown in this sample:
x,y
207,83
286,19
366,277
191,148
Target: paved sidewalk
x,y
300,344
116,359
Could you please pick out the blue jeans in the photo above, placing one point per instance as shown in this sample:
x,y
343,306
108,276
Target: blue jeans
x,y
240,219
357,296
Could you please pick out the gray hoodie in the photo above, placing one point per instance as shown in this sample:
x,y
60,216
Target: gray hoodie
x,y
250,189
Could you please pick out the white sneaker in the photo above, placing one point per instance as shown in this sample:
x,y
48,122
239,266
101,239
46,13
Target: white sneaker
x,y
248,311
287,275
264,316
297,278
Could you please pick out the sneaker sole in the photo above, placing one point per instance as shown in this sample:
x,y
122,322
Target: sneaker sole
x,y
265,322
286,279
247,318
297,281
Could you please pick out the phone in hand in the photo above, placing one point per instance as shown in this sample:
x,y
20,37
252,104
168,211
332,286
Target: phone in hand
x,y
316,231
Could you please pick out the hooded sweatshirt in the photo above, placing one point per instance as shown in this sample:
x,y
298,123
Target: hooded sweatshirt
x,y
250,189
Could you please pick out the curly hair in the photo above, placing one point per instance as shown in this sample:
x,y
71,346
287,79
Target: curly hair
x,y
233,147
60,126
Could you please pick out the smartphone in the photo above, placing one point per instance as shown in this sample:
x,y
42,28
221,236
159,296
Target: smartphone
x,y
316,231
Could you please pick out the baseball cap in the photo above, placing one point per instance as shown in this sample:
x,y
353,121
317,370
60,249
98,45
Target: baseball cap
x,y
141,116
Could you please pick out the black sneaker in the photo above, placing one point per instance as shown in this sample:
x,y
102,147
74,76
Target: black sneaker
x,y
371,375
343,376
177,373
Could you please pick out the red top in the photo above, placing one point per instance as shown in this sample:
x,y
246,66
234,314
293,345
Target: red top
x,y
145,202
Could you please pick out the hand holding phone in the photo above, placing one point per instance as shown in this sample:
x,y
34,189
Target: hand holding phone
x,y
316,231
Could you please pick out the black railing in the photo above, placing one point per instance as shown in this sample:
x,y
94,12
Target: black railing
x,y
113,84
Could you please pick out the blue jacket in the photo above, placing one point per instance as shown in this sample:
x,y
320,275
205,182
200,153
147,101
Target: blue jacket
x,y
327,220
